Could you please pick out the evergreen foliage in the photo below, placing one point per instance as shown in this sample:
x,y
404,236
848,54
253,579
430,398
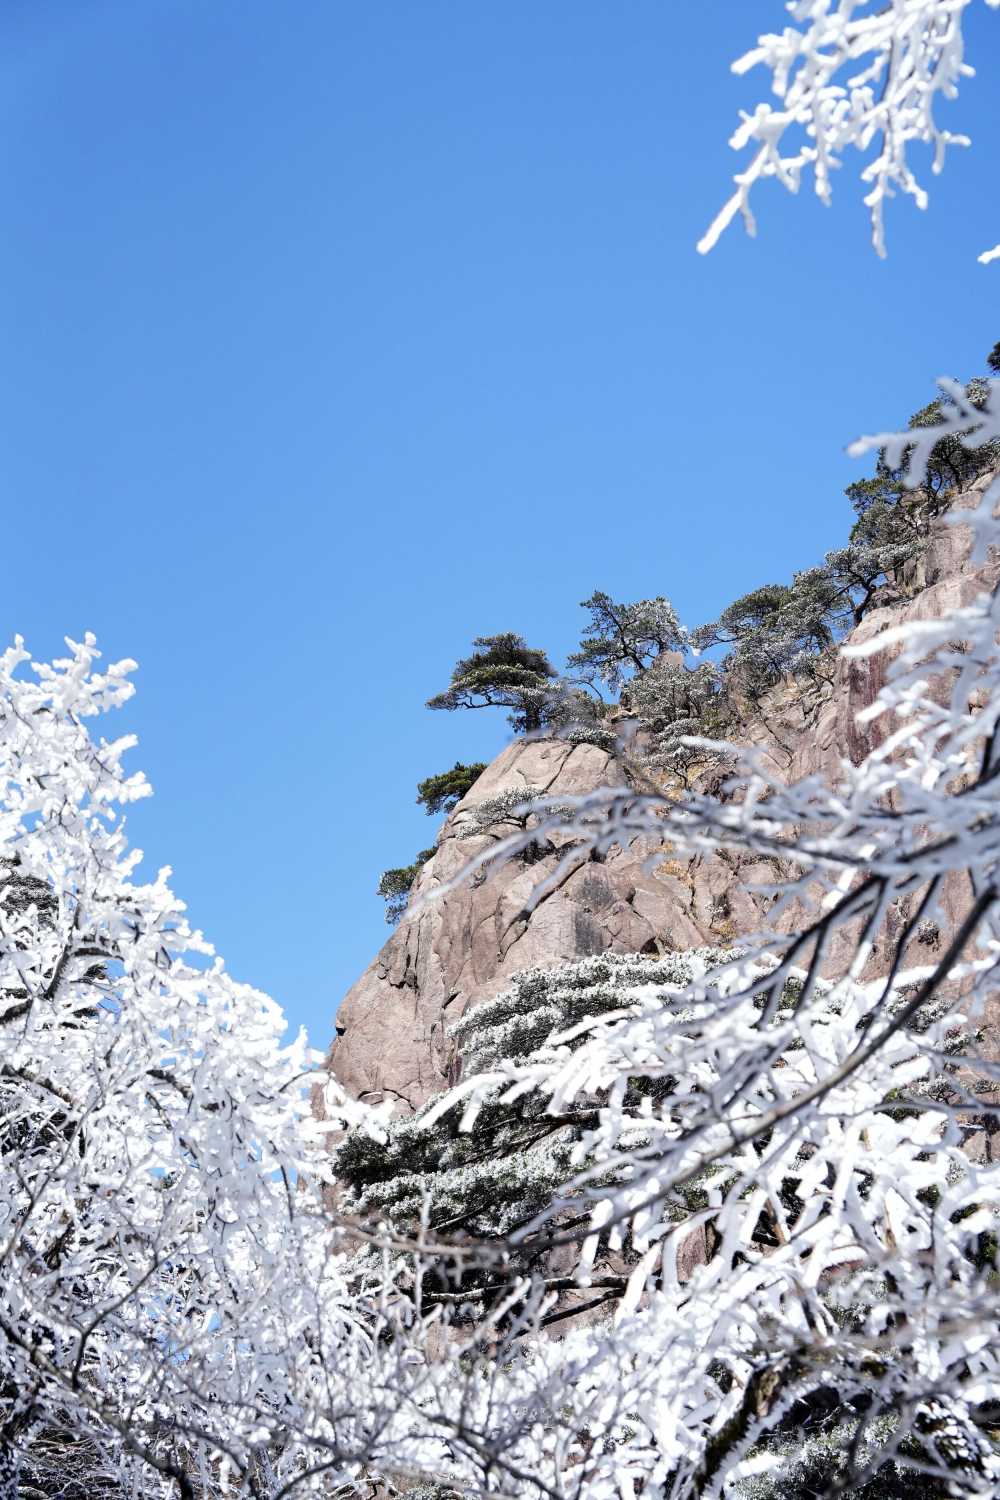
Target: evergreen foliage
x,y
443,793
573,714
487,1180
778,628
502,672
951,467
395,885
882,542
624,639
671,701
511,806
636,650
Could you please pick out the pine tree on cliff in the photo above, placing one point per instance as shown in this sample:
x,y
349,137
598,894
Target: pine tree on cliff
x,y
443,793
502,672
622,641
952,465
489,1181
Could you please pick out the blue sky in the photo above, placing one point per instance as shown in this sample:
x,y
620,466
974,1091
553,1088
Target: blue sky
x,y
337,334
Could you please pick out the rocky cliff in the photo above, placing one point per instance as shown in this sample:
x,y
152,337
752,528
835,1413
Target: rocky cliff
x,y
455,952
445,956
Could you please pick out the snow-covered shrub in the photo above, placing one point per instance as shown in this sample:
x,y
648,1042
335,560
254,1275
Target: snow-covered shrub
x,y
173,1315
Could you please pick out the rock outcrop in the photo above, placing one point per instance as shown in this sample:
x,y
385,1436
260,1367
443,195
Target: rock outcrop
x,y
457,951
460,950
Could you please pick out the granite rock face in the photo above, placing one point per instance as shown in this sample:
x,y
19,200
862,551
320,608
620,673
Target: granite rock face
x,y
458,951
805,732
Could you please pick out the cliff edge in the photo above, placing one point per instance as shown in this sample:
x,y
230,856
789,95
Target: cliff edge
x,y
445,955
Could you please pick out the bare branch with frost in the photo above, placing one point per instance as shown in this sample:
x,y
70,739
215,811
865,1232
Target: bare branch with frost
x,y
178,1299
851,75
807,1113
178,1312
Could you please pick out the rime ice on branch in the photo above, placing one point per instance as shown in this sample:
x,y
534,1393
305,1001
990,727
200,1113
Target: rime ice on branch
x,y
821,1109
851,75
173,1315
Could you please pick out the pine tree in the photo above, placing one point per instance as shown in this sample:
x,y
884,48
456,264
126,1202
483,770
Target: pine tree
x,y
443,793
502,672
394,885
490,1180
623,640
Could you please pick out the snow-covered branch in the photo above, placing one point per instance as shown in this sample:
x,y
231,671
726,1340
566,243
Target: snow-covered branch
x,y
851,75
777,1164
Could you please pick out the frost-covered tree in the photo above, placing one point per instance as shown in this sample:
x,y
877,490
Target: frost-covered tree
x,y
637,651
952,465
779,628
572,713
822,1106
176,1317
489,1180
515,807
885,538
851,75
672,703
867,570
621,640
174,1320
443,793
502,672
782,628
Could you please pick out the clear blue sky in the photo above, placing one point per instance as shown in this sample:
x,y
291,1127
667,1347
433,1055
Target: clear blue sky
x,y
336,334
